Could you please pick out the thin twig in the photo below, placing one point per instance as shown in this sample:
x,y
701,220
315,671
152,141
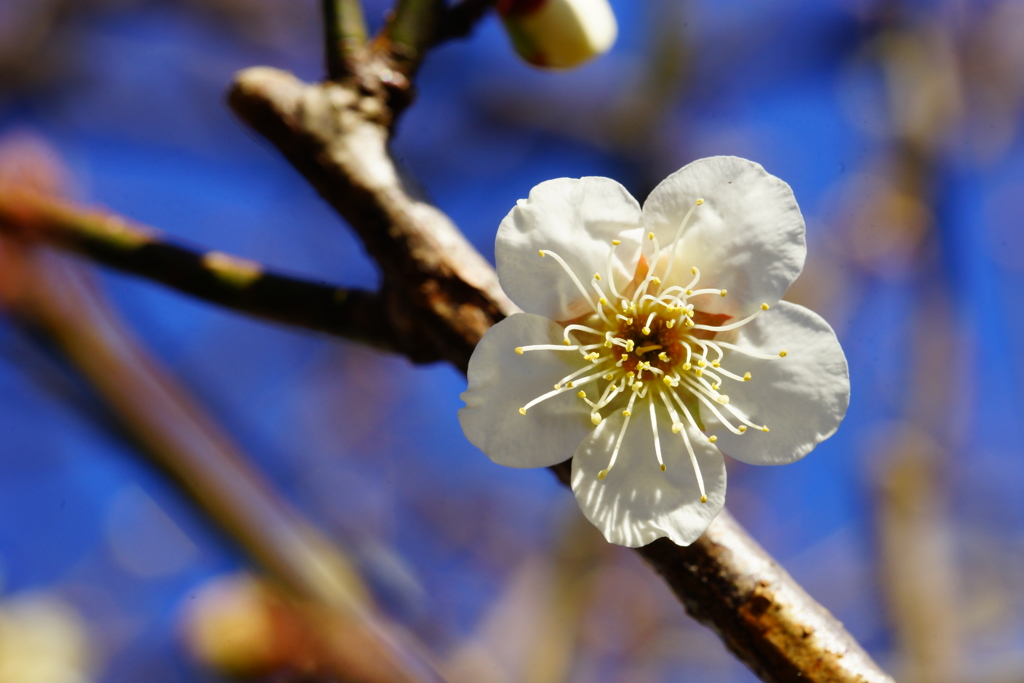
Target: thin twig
x,y
216,277
344,36
175,433
409,34
460,20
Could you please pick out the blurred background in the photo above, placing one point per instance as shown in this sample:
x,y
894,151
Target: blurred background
x,y
897,125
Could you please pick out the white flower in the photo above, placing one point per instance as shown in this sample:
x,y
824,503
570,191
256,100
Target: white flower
x,y
651,339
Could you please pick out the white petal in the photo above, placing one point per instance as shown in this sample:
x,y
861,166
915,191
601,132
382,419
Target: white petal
x,y
747,237
637,503
576,219
802,398
502,381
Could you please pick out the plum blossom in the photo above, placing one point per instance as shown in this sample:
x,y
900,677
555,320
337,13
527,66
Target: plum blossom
x,y
652,341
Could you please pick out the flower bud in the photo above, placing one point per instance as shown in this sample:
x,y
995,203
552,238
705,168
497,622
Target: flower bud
x,y
559,34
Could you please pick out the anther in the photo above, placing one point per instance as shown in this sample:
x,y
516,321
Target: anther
x,y
670,324
610,376
595,418
582,394
715,386
724,292
571,385
557,387
630,343
608,344
703,499
689,323
699,202
541,252
597,276
663,357
746,376
567,342
650,235
602,474
716,364
522,411
625,356
626,413
677,427
693,269
519,350
656,280
700,373
764,307
667,380
764,429
782,354
723,399
616,242
743,428
712,438
702,363
603,301
662,467
646,330
689,292
686,366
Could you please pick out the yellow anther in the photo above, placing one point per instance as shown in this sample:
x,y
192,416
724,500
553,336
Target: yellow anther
x,y
567,342
689,312
630,344
723,399
662,467
625,356
608,344
677,427
637,385
743,428
715,386
597,276
603,301
667,380
764,307
593,355
519,350
557,387
571,385
703,499
690,323
712,438
746,376
581,393
716,364
522,411
629,321
693,269
595,418
616,242
689,292
702,363
631,375
663,357
656,280
650,235
700,373
541,252
782,354
602,474
625,413
670,324
724,292
686,366
699,202
764,429
644,349
646,330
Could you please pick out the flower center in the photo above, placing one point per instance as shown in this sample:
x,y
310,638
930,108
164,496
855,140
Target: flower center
x,y
648,345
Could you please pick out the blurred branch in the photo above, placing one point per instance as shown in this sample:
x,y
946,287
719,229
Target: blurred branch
x,y
177,435
344,36
460,19
725,579
409,33
219,278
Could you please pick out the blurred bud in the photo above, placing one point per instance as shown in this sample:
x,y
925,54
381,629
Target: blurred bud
x,y
42,640
559,34
240,626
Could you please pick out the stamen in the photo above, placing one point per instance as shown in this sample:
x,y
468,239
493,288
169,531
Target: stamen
x,y
546,347
675,240
581,328
653,347
733,326
647,325
618,442
576,280
585,368
752,354
657,440
556,392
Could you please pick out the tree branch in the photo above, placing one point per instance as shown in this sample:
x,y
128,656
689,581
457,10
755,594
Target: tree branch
x,y
344,36
337,140
176,434
219,278
409,33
